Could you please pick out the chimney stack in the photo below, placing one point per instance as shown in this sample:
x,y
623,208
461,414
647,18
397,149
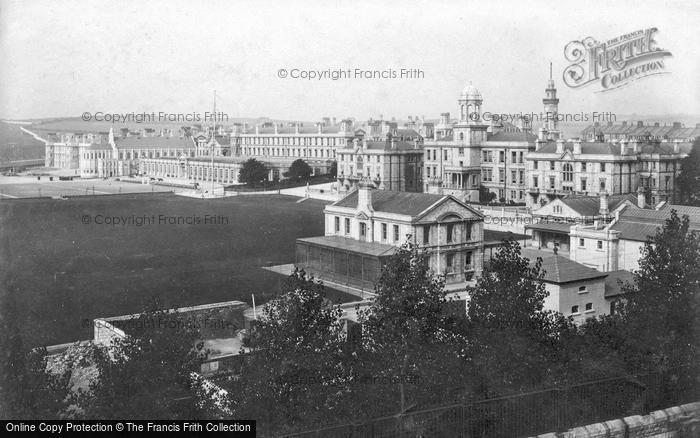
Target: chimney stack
x,y
577,146
604,209
560,146
364,196
676,146
542,134
640,197
623,147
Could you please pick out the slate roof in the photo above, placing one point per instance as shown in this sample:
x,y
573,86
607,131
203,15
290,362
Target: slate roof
x,y
637,224
614,282
590,205
223,140
406,132
154,142
587,148
307,129
557,227
631,129
559,269
512,136
385,145
605,148
352,245
388,201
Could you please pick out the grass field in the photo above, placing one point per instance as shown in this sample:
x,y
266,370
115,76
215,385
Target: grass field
x,y
32,188
61,272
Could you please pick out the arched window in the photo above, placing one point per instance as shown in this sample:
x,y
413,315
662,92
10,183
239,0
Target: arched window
x,y
568,173
461,135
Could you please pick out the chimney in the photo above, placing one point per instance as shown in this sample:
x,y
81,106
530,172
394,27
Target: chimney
x,y
676,146
635,146
640,197
415,144
623,147
604,210
257,129
560,146
356,143
333,121
542,134
364,196
577,146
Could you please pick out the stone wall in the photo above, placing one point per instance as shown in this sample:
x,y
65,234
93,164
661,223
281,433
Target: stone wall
x,y
678,421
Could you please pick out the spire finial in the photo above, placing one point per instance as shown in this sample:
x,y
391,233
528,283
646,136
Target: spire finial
x,y
550,70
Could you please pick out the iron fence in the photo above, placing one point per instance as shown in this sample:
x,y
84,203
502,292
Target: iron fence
x,y
528,414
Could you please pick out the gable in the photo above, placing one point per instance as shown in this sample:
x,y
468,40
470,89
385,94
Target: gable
x,y
548,210
449,208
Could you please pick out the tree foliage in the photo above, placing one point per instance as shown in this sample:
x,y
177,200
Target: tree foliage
x,y
513,339
292,374
688,180
252,172
148,373
661,307
299,170
408,335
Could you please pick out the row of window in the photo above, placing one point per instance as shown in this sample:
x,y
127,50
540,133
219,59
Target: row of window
x,y
516,157
582,243
516,176
284,152
575,309
553,181
294,141
567,167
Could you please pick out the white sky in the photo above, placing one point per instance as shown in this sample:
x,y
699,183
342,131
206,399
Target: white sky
x,y
61,58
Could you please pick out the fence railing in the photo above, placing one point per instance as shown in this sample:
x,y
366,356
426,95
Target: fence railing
x,y
522,415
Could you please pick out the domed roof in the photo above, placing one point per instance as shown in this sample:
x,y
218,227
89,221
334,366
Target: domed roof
x,y
471,93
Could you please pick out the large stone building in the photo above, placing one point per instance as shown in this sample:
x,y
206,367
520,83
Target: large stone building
x,y
188,155
366,226
392,164
562,168
105,155
639,131
617,244
469,154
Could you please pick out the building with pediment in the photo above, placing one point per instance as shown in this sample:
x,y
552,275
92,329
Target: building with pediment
x,y
366,226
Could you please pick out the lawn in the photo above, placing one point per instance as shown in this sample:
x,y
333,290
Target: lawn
x,y
60,272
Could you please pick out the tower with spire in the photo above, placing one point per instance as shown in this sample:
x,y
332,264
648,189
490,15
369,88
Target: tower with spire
x,y
551,108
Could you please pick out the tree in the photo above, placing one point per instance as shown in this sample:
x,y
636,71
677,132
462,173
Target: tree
x,y
30,388
689,179
299,170
486,195
408,338
513,339
252,172
661,307
292,375
148,373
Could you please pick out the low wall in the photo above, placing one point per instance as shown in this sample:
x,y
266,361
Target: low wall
x,y
678,421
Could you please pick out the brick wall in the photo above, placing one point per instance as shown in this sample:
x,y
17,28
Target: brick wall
x,y
678,421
